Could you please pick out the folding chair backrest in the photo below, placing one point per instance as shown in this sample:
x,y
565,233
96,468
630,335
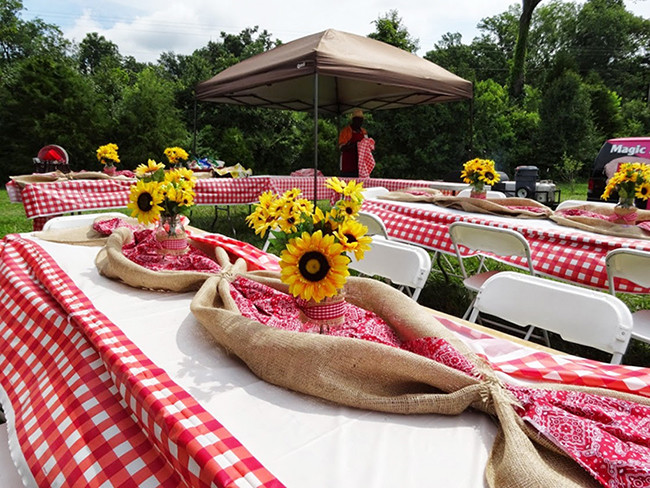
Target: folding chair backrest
x,y
501,242
579,315
576,203
71,221
631,264
375,224
403,264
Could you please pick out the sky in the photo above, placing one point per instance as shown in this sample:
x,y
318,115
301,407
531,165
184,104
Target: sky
x,y
146,28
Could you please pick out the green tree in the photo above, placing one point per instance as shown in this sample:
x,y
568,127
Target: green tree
x,y
613,43
605,108
20,39
389,29
147,120
95,51
450,53
566,126
47,102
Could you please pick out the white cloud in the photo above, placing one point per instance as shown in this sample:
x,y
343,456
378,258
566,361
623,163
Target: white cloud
x,y
147,28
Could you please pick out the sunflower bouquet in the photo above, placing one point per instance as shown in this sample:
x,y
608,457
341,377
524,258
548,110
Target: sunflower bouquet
x,y
161,195
478,173
176,155
313,244
107,155
632,180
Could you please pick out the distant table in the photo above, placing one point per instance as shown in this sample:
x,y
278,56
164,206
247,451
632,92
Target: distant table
x,y
561,252
43,200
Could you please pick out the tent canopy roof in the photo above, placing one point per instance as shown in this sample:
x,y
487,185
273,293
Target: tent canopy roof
x,y
353,71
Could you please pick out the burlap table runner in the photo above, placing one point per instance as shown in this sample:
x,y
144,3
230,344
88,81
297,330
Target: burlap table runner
x,y
600,226
508,207
23,180
81,235
373,376
414,194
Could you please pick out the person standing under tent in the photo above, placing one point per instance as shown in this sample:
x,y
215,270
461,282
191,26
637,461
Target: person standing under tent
x,y
348,138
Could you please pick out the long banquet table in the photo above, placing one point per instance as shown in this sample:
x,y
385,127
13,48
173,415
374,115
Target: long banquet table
x,y
42,200
561,252
107,385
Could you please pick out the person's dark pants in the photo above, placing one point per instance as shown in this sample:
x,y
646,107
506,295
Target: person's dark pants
x,y
350,174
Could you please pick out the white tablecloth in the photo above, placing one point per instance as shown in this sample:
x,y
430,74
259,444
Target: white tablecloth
x,y
304,441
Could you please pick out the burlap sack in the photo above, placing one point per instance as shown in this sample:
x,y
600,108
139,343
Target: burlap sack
x,y
372,376
601,226
112,263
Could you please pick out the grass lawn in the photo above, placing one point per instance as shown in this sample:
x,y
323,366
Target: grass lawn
x,y
442,293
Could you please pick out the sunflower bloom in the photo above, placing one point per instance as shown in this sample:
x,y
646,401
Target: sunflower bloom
x,y
351,235
335,184
145,201
313,266
148,169
354,191
643,190
348,208
267,199
289,218
489,176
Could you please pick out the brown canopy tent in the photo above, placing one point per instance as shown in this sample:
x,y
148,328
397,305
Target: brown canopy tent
x,y
333,72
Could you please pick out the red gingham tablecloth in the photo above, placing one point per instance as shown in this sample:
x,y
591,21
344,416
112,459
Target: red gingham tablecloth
x,y
13,192
537,365
557,251
44,199
90,409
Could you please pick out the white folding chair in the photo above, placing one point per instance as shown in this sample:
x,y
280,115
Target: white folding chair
x,y
579,315
374,191
404,265
576,203
375,225
632,265
490,193
482,238
70,221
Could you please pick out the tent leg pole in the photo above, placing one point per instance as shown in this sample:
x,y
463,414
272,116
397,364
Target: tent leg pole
x,y
471,128
315,139
194,141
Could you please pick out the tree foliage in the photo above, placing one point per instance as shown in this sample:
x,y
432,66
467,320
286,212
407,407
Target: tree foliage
x,y
586,79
